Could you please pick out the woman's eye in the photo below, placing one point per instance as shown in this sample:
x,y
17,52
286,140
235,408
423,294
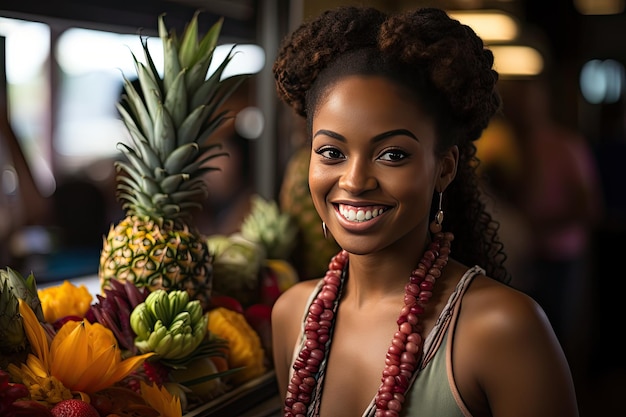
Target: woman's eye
x,y
329,153
393,155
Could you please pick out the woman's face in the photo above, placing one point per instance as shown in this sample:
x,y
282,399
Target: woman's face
x,y
373,169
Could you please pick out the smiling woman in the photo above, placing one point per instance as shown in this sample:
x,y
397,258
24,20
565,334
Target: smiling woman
x,y
393,104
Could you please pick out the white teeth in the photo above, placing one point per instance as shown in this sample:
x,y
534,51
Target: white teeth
x,y
359,215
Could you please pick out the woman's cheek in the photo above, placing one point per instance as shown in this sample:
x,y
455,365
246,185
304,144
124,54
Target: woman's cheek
x,y
320,183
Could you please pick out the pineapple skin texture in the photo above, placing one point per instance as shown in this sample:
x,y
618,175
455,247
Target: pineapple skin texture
x,y
169,257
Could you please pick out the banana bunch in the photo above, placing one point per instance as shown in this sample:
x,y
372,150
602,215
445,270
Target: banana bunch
x,y
13,287
267,225
168,324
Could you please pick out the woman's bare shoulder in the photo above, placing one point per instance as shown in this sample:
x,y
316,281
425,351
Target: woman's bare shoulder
x,y
291,302
507,350
499,309
494,308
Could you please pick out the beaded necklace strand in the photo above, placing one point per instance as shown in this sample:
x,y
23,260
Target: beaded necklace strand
x,y
403,355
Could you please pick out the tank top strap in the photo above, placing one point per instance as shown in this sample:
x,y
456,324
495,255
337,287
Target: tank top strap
x,y
435,337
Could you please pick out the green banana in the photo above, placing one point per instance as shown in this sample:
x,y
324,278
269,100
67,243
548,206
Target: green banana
x,y
169,324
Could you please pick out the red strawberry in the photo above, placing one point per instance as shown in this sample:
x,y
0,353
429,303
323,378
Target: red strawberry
x,y
74,408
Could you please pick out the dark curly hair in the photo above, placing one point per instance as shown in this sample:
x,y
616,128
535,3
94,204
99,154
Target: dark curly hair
x,y
443,66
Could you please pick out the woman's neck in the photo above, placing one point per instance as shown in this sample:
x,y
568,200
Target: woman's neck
x,y
381,275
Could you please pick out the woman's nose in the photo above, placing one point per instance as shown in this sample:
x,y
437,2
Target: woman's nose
x,y
358,177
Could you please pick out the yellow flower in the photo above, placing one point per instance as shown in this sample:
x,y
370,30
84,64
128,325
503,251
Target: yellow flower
x,y
161,400
43,388
64,300
84,357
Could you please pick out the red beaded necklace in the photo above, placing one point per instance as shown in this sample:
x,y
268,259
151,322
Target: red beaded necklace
x,y
404,353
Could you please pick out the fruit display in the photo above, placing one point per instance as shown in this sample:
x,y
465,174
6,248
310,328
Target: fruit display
x,y
181,318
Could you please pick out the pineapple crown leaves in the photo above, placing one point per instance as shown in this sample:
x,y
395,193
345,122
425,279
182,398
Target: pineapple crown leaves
x,y
168,118
265,224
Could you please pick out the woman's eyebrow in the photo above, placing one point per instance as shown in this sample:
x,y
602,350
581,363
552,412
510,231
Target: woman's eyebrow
x,y
395,132
379,137
330,133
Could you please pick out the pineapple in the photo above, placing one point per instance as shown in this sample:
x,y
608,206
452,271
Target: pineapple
x,y
160,183
267,225
313,251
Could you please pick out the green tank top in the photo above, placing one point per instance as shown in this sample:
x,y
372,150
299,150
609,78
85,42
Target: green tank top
x,y
431,393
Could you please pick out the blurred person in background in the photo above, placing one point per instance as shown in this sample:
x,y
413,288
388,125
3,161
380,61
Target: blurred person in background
x,y
21,202
562,201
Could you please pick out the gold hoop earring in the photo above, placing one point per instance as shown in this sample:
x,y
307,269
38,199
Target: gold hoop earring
x,y
324,230
435,225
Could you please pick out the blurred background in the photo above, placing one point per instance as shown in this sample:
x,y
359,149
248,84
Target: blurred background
x,y
552,163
